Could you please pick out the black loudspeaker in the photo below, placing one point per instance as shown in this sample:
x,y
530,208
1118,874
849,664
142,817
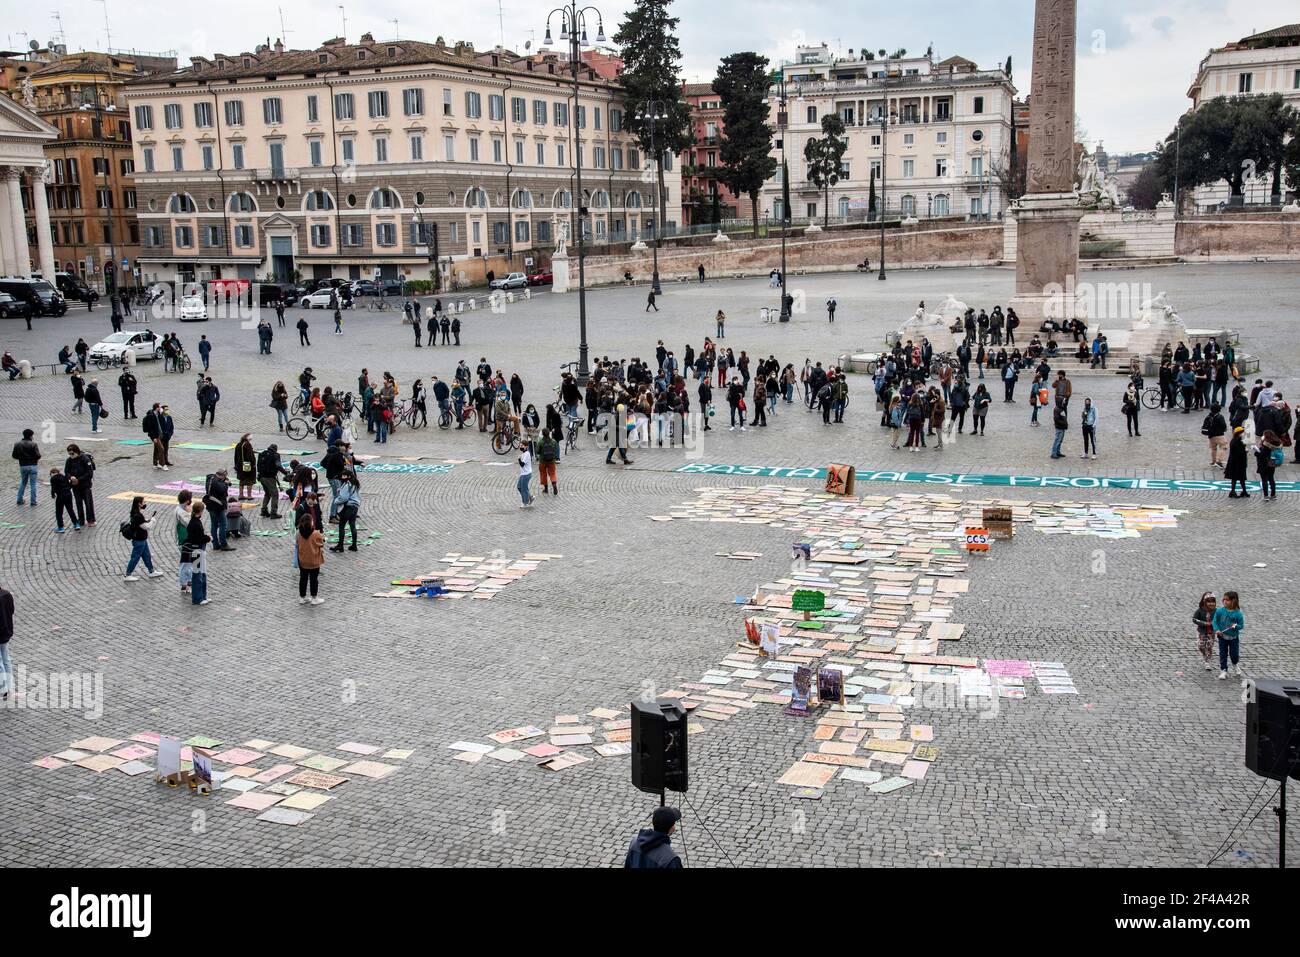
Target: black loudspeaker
x,y
1273,730
658,747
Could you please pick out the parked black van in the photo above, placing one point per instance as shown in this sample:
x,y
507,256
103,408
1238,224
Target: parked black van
x,y
44,299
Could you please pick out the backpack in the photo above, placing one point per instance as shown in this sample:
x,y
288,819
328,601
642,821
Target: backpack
x,y
1276,457
127,531
1013,322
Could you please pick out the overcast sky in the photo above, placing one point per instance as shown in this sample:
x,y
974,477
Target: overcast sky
x,y
1137,57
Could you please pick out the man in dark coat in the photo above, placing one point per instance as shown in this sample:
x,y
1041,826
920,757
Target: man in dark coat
x,y
127,383
6,634
652,847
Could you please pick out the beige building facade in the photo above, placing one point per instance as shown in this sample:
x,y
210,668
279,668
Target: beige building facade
x,y
947,144
1257,65
385,157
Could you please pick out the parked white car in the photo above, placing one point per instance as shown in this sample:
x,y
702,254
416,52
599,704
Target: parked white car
x,y
145,342
320,299
193,309
516,280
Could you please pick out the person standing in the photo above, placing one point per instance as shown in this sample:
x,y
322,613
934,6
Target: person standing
x,y
216,499
1064,389
650,301
980,403
137,527
264,336
82,350
700,271
830,309
96,404
194,552
302,331
1203,619
245,466
1061,422
209,395
431,325
455,329
338,320
617,423
28,454
279,313
1228,624
548,457
127,384
721,320
280,402
736,401
61,492
184,503
153,429
446,331
1009,378
959,402
1268,457
1215,430
348,500
1131,406
205,351
269,470
80,470
652,848
6,637
166,429
1089,424
310,550
525,474
1235,470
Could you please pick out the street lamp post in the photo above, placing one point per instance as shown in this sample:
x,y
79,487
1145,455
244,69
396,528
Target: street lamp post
x,y
573,29
885,116
655,112
783,122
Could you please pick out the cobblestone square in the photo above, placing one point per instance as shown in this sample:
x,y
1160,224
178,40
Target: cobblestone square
x,y
1143,767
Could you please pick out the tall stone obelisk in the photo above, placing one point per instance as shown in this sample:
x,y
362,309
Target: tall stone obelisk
x,y
1047,216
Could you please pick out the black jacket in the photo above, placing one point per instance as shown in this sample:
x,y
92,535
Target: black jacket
x,y
82,468
651,849
268,464
1059,419
149,424
27,452
6,616
217,495
440,391
333,462
127,383
1214,426
92,395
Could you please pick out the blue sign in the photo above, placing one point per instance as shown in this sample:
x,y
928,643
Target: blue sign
x,y
979,480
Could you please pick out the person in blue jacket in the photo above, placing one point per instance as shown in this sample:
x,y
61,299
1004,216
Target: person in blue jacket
x,y
1228,625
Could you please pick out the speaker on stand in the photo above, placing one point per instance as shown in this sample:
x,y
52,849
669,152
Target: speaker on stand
x,y
1273,741
659,761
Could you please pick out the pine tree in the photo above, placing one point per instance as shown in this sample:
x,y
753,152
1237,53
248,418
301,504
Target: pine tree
x,y
742,84
651,55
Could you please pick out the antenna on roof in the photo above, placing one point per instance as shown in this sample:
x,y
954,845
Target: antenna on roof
x,y
501,24
284,33
344,14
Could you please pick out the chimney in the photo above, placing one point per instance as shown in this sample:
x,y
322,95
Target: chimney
x,y
279,45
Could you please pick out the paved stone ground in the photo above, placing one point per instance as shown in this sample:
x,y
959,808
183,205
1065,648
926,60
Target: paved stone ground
x,y
1150,774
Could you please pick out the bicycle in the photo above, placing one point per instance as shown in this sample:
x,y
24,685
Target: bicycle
x,y
571,433
413,417
379,304
297,429
505,440
299,405
181,363
447,417
107,362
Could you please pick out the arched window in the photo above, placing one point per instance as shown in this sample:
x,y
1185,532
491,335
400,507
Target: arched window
x,y
522,199
181,203
318,199
563,199
242,203
600,200
384,198
844,207
451,198
476,198
941,205
633,199
908,205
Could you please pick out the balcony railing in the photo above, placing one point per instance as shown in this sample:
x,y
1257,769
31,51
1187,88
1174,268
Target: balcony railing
x,y
276,174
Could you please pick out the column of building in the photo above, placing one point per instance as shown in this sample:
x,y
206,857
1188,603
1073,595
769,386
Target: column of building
x,y
15,255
